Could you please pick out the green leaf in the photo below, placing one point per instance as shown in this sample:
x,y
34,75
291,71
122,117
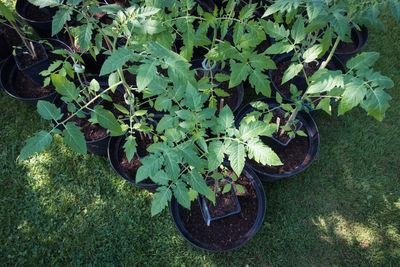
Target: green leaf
x,y
6,12
166,122
236,156
130,147
354,93
240,188
74,138
48,111
260,82
160,200
240,71
325,80
65,87
116,60
163,103
249,131
59,19
324,104
146,73
85,35
113,79
341,25
197,182
222,51
107,120
221,93
298,32
376,103
189,153
227,188
262,153
225,118
291,72
261,62
312,53
181,194
275,30
193,98
45,3
216,155
279,48
247,11
35,144
151,164
161,178
171,164
363,60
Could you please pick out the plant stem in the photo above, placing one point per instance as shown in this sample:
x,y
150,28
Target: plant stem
x,y
29,45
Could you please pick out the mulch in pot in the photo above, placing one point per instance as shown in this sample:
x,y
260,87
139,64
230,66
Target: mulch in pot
x,y
222,233
292,155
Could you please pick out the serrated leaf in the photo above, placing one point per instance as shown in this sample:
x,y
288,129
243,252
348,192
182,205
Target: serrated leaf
x,y
354,93
225,118
189,153
65,87
341,25
279,48
35,144
151,164
261,153
45,3
216,155
146,74
181,194
172,159
236,156
221,93
363,60
116,60
247,11
325,80
291,72
59,19
275,30
260,82
239,73
107,120
85,35
6,12
48,111
312,53
160,200
161,178
197,182
298,32
227,188
163,103
261,62
376,103
193,98
324,104
130,147
74,138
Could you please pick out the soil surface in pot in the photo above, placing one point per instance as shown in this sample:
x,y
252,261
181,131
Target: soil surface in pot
x,y
292,155
26,60
225,202
277,75
122,3
283,137
348,47
25,87
263,46
90,131
130,167
10,35
223,233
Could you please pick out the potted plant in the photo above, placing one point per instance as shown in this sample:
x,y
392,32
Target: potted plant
x,y
360,85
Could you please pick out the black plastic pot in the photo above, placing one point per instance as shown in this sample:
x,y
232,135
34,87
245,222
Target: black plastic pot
x,y
7,76
96,147
5,50
43,28
309,127
9,70
261,203
112,151
32,71
360,38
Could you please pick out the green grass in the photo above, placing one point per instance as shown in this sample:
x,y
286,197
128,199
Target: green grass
x,y
61,208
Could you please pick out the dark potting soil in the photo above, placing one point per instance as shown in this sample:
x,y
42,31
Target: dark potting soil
x,y
263,46
130,167
25,59
230,100
348,47
292,155
118,98
90,131
225,203
39,14
25,87
223,233
10,35
284,137
122,3
277,75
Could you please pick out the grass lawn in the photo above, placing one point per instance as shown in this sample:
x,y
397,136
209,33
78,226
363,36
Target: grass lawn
x,y
61,208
